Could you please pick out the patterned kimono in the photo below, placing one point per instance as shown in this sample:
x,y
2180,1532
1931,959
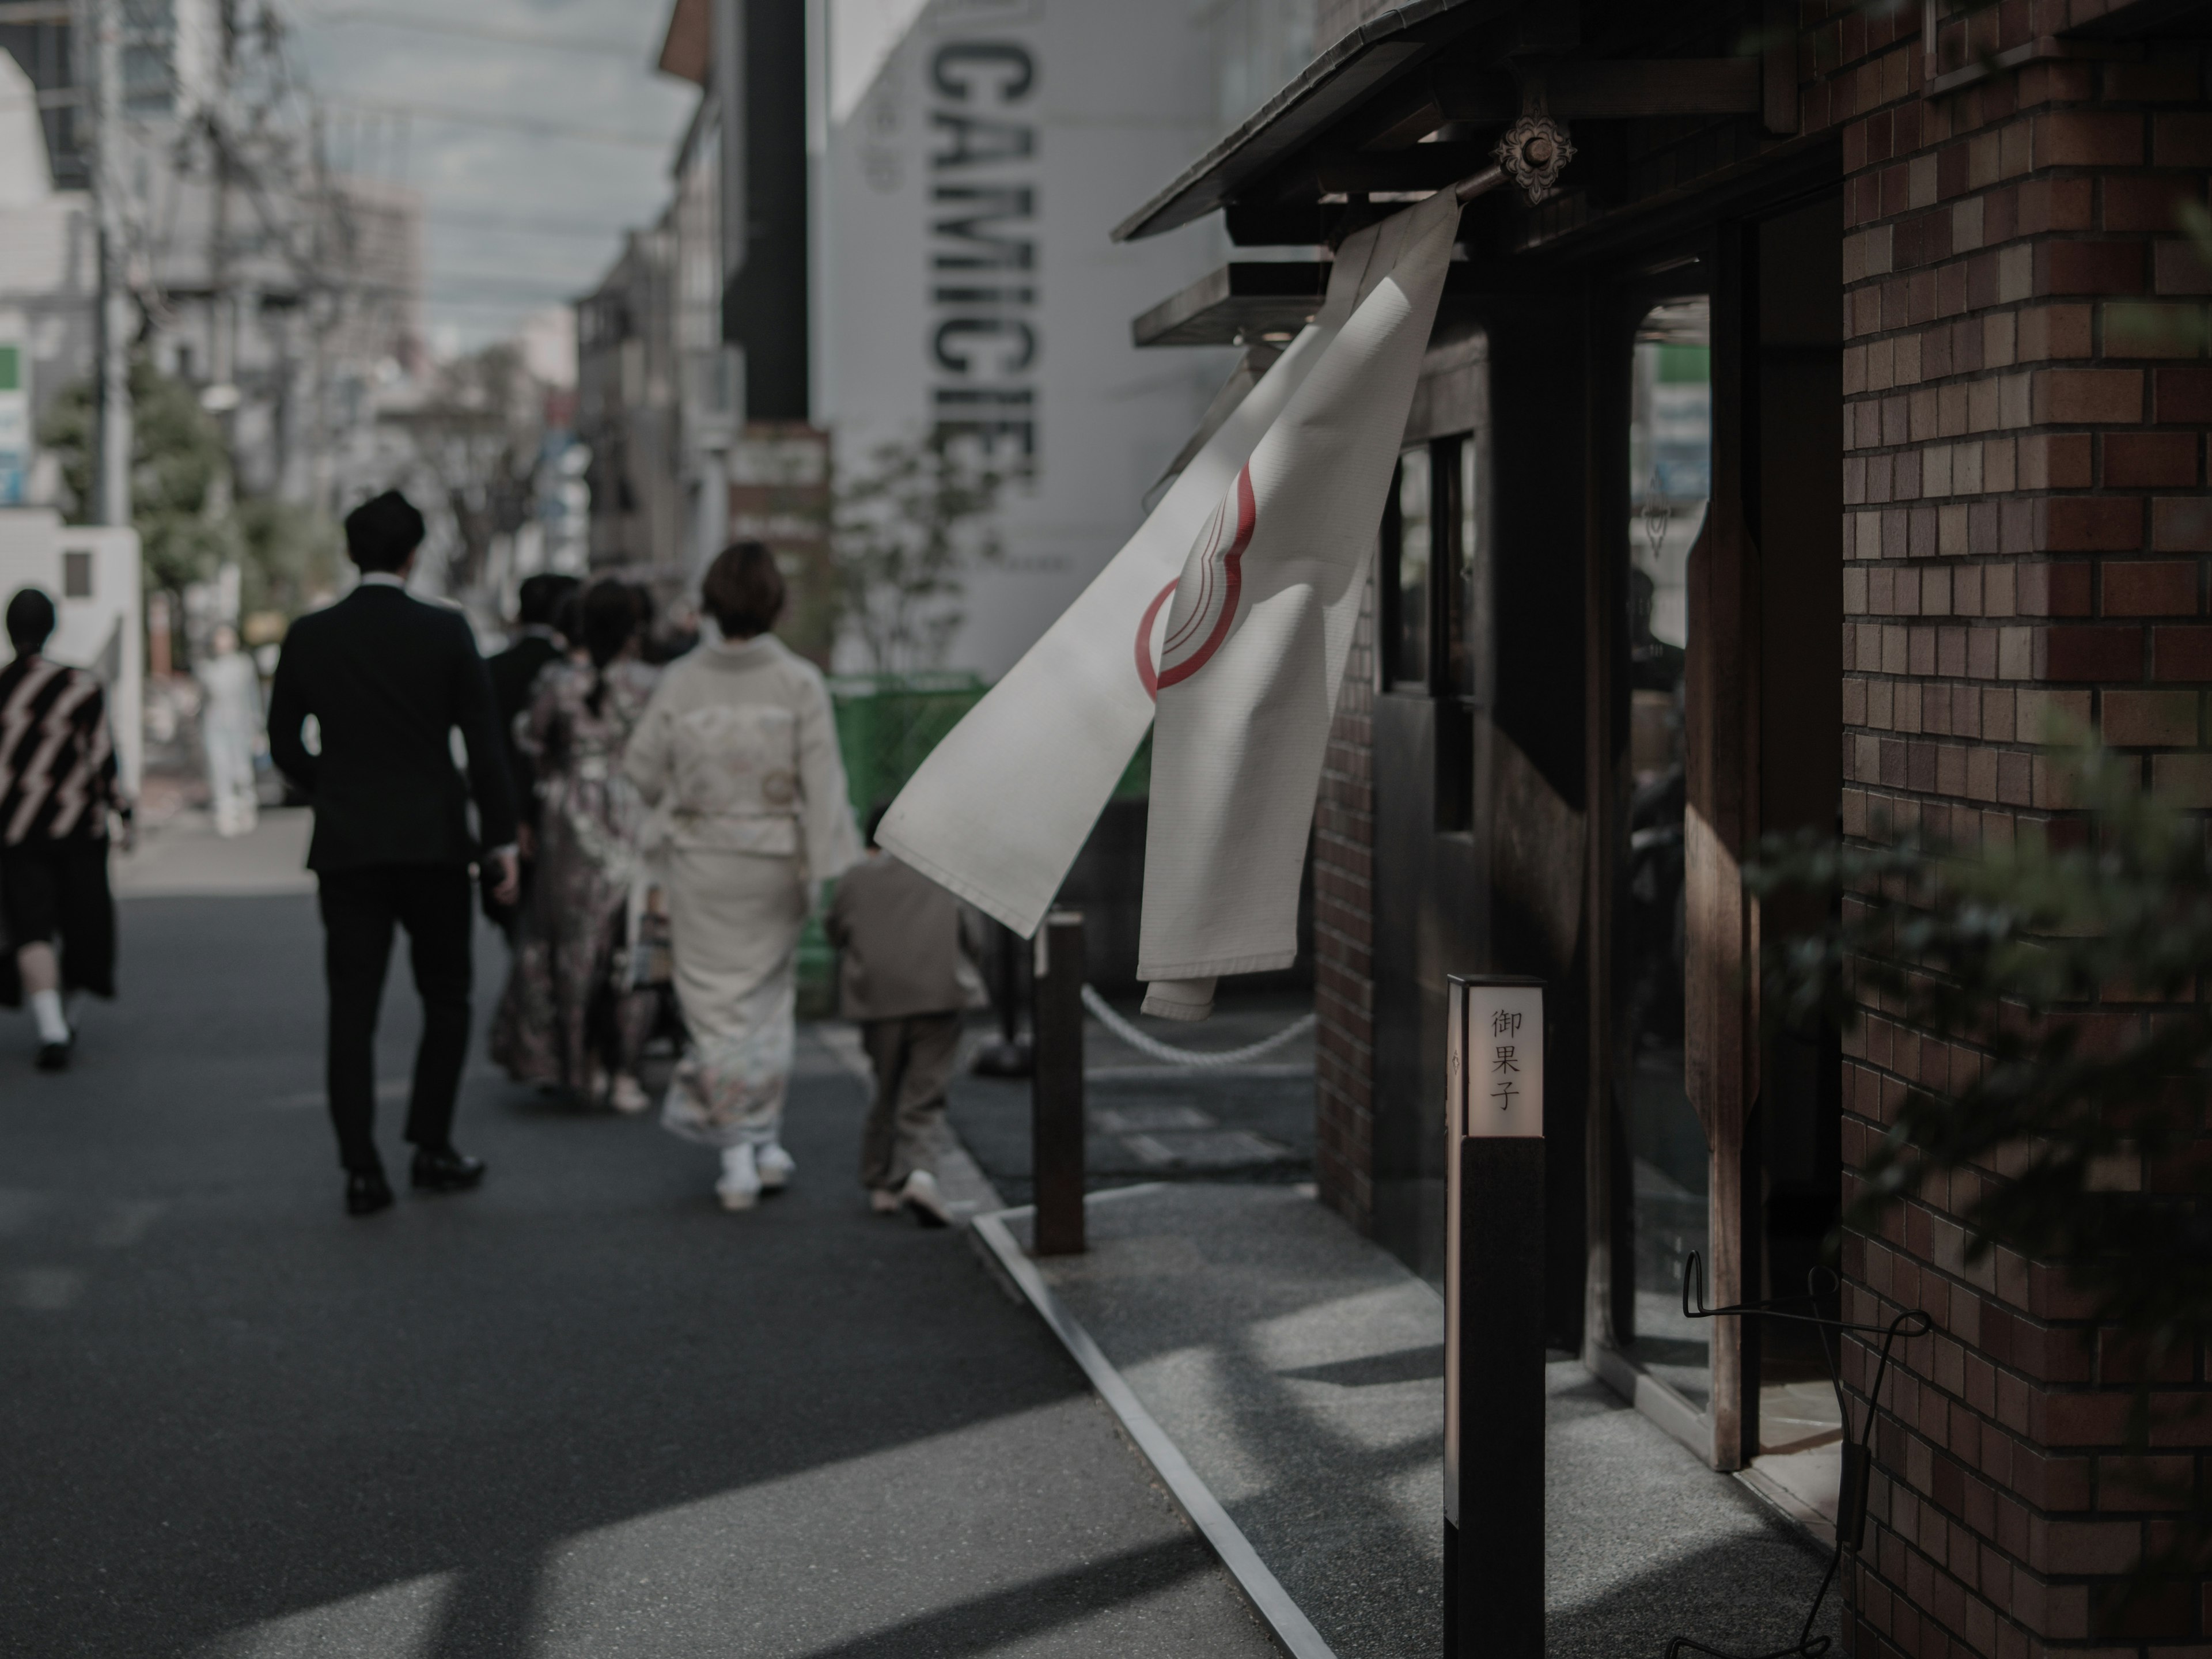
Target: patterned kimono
x,y
740,747
570,994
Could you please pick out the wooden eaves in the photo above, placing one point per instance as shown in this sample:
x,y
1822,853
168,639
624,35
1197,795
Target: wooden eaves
x,y
1353,120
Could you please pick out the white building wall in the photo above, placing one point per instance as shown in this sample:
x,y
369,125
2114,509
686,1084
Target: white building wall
x,y
1113,99
92,574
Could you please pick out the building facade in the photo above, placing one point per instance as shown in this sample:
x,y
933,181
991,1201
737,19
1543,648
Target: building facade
x,y
1838,423
919,257
286,294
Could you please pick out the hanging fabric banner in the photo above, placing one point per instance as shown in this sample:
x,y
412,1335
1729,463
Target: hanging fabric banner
x,y
1260,624
999,811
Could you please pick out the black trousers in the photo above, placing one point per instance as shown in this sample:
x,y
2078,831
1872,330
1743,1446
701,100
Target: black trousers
x,y
58,888
434,903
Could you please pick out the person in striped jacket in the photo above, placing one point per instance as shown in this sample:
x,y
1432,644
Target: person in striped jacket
x,y
59,785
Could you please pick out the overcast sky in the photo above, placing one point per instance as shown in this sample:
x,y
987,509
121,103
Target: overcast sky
x,y
515,220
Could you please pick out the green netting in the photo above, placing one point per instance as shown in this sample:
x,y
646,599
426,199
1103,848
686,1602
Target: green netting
x,y
887,723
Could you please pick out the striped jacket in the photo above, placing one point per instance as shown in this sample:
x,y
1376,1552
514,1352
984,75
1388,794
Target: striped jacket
x,y
57,777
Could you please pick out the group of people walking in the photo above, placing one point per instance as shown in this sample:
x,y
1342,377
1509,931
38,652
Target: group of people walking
x,y
653,839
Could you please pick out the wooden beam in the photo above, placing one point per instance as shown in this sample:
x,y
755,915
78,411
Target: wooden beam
x,y
1778,67
1418,166
1249,300
1627,89
1245,301
1279,224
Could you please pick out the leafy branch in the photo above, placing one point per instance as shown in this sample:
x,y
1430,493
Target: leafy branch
x,y
907,530
2068,973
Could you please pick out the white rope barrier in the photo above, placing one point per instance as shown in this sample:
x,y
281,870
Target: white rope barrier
x,y
1199,1058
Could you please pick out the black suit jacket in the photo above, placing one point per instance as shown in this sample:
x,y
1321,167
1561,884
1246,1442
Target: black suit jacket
x,y
515,671
387,678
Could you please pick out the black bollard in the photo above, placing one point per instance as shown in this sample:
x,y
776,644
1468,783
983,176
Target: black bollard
x,y
1494,1320
1009,1056
1056,1117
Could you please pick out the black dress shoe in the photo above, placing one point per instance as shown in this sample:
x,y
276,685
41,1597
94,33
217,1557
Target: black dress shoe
x,y
366,1193
53,1056
446,1170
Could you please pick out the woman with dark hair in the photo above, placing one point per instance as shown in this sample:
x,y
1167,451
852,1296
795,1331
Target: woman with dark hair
x,y
59,785
575,1015
740,745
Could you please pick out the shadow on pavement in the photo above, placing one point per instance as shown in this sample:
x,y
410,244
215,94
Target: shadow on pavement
x,y
596,1411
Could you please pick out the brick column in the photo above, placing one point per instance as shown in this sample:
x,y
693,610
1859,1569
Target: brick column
x,y
1344,932
2024,536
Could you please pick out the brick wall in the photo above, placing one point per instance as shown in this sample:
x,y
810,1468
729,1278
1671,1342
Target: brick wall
x,y
1344,931
2024,536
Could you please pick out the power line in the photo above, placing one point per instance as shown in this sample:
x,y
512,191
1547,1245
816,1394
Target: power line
x,y
594,45
461,303
530,125
506,284
534,227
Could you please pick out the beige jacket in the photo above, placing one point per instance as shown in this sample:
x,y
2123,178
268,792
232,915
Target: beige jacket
x,y
904,944
739,745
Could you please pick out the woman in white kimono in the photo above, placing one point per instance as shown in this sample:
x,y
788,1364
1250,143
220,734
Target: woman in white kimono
x,y
739,746
231,727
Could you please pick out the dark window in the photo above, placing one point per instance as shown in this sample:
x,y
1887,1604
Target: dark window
x,y
1434,594
76,575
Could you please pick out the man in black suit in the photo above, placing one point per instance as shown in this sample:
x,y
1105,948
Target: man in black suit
x,y
515,672
387,678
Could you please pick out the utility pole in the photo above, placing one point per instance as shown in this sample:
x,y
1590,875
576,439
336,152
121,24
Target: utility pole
x,y
102,21
222,303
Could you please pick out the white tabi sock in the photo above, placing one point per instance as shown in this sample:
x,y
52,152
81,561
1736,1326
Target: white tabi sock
x,y
46,1009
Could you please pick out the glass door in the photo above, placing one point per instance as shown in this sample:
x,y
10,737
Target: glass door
x,y
1664,1162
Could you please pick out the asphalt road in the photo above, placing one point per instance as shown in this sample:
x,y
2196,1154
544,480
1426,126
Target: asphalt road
x,y
580,1412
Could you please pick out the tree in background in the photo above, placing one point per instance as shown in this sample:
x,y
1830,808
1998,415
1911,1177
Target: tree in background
x,y
181,502
292,557
478,433
181,476
907,531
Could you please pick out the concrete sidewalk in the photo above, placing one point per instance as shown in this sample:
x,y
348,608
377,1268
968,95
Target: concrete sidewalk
x,y
1298,1368
183,857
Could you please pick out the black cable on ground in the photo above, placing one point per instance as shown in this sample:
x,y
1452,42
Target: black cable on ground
x,y
1851,1493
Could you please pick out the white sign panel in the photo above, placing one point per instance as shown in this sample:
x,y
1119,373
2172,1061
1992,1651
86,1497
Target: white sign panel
x,y
968,287
15,413
1495,1067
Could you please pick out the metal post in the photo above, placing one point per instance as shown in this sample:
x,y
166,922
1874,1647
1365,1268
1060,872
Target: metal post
x,y
1494,1320
1056,1115
1010,1055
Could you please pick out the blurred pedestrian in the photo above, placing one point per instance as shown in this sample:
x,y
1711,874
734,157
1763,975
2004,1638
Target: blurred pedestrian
x,y
230,730
905,978
576,1013
739,742
515,671
673,632
58,786
388,678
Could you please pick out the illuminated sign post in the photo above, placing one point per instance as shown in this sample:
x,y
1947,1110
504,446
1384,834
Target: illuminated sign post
x,y
1494,1319
15,413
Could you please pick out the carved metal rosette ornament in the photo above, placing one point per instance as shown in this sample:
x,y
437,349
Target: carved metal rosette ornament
x,y
1532,151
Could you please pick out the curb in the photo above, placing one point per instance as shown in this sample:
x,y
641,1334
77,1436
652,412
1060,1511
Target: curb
x,y
1269,1600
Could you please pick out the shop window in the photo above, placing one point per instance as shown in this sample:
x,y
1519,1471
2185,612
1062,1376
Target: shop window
x,y
1466,622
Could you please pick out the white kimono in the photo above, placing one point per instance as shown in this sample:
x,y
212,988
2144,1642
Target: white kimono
x,y
739,749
